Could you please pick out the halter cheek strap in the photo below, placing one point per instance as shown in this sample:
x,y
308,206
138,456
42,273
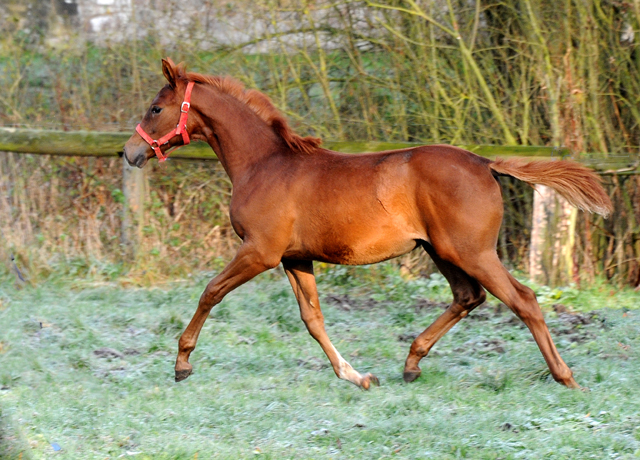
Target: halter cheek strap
x,y
181,128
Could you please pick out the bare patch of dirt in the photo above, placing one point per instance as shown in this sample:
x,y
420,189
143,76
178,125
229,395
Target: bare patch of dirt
x,y
426,304
513,320
108,353
488,311
482,315
575,319
408,337
491,346
483,312
560,308
574,326
115,371
482,346
347,303
313,363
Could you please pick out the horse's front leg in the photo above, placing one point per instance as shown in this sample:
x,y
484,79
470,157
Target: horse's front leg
x,y
303,282
247,263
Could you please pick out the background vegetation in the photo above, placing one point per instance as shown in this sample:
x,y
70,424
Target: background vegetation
x,y
512,72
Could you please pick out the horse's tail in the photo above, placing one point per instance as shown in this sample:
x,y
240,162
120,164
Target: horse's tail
x,y
578,184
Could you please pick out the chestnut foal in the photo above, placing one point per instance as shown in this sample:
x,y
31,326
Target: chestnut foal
x,y
294,202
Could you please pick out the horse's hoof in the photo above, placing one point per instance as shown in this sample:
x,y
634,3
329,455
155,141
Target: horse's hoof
x,y
182,374
571,383
369,380
410,376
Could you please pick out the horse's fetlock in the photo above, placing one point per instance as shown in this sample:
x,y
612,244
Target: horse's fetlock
x,y
185,347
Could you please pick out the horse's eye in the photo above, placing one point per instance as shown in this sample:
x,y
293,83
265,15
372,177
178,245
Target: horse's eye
x,y
156,110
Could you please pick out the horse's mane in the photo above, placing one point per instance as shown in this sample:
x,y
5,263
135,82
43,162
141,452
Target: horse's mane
x,y
260,104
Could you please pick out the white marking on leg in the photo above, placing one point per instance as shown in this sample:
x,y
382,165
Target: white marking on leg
x,y
346,371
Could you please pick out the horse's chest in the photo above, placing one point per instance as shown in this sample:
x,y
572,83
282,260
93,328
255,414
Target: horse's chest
x,y
259,214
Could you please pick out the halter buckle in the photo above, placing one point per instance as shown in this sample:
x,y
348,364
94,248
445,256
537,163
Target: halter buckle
x,y
182,107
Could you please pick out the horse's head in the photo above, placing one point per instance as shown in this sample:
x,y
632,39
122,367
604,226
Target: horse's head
x,y
157,132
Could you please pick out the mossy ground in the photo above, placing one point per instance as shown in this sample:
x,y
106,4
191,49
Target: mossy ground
x,y
89,368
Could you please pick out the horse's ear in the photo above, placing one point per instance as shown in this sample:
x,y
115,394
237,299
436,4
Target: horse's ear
x,y
169,71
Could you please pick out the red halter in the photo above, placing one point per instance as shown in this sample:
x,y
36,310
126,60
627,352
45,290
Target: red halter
x,y
180,129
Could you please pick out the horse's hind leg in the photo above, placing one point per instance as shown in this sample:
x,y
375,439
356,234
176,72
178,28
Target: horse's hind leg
x,y
303,282
489,271
467,295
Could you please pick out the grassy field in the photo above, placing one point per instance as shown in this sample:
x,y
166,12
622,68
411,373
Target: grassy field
x,y
87,368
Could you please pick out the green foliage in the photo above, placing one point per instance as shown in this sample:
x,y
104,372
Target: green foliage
x,y
547,295
117,195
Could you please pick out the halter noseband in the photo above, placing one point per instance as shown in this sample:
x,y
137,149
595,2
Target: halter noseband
x,y
181,129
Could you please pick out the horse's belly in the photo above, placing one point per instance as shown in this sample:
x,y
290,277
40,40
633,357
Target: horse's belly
x,y
359,229
373,253
357,251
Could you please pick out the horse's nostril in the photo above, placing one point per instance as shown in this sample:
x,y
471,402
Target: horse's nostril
x,y
140,160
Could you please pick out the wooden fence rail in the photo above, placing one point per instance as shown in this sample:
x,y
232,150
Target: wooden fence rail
x,y
104,144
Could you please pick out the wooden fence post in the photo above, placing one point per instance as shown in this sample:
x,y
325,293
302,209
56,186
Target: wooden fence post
x,y
134,183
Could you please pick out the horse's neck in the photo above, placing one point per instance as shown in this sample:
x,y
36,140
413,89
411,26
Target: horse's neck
x,y
238,136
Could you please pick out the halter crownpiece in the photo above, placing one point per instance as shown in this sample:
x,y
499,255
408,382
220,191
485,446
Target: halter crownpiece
x,y
181,128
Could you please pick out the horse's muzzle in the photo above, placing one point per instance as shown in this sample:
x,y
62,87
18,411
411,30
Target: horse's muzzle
x,y
139,160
